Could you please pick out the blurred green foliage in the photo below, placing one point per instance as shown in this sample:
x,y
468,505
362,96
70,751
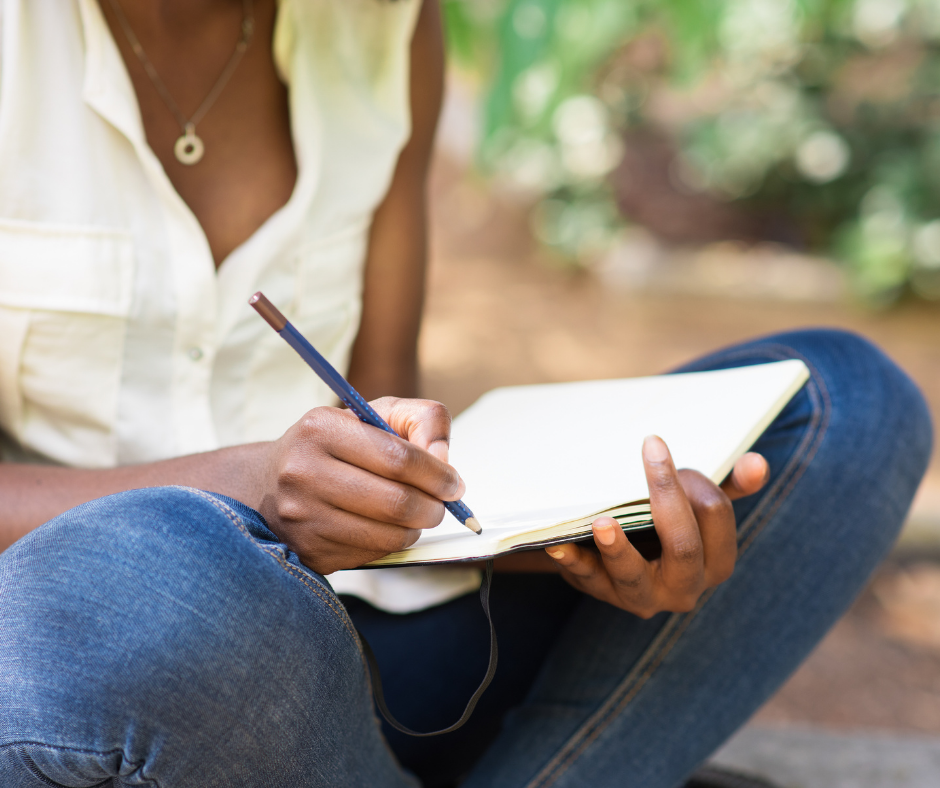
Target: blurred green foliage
x,y
825,112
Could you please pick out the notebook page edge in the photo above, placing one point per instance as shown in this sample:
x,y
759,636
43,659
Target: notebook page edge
x,y
766,420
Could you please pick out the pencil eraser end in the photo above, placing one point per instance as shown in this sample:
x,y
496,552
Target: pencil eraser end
x,y
474,525
268,311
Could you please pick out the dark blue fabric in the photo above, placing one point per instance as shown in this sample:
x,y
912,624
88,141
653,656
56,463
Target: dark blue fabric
x,y
872,413
164,638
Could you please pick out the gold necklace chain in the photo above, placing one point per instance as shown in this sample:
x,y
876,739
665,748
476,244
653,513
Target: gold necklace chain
x,y
189,148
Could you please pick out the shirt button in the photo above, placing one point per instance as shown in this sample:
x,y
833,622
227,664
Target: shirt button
x,y
195,353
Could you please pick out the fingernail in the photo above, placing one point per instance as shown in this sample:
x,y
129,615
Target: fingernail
x,y
439,450
605,534
461,487
556,554
654,449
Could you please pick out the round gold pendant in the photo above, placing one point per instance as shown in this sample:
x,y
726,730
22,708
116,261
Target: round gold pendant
x,y
189,148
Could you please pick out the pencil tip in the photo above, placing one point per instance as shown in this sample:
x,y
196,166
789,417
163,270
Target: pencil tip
x,y
474,525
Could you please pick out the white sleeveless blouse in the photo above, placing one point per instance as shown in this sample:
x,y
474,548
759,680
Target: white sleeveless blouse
x,y
119,341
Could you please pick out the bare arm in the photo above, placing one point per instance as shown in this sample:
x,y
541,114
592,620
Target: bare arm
x,y
32,494
384,358
384,355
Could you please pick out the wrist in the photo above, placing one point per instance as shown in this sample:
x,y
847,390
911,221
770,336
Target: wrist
x,y
257,479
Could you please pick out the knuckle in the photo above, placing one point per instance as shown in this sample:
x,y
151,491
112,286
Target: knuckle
x,y
318,430
717,505
397,539
291,473
290,510
397,456
312,421
632,583
401,505
687,552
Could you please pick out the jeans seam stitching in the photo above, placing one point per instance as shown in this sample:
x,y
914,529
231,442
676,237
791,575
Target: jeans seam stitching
x,y
34,770
291,570
816,431
813,440
18,745
660,649
679,622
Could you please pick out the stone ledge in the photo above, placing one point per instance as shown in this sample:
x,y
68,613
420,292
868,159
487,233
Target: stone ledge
x,y
804,757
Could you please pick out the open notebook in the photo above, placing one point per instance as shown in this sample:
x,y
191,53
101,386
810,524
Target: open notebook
x,y
542,462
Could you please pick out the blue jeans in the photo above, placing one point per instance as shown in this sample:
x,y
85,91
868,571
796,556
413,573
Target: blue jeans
x,y
165,638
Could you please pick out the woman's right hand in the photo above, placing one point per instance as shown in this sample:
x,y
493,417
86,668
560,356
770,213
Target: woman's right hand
x,y
341,493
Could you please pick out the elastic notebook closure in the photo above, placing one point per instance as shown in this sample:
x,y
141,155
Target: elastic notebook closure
x,y
379,694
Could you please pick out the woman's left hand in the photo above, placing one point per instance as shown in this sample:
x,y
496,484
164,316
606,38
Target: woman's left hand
x,y
695,524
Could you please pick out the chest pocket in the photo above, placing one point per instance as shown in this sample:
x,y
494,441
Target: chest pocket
x,y
65,296
323,301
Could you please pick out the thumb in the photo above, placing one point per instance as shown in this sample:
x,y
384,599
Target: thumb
x,y
749,474
422,422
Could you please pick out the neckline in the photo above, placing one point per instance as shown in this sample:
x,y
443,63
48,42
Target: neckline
x,y
107,88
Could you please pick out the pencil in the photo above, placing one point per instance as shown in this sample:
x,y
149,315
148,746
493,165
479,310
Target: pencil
x,y
340,386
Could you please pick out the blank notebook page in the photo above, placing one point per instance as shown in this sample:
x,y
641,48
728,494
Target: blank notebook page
x,y
568,450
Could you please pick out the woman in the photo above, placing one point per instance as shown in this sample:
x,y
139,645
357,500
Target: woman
x,y
171,624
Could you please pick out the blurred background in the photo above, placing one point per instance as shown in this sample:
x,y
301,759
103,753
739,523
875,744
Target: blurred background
x,y
622,185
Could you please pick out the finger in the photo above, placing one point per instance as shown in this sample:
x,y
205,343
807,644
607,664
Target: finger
x,y
420,421
582,568
715,516
368,538
629,572
439,449
352,489
681,565
389,456
344,540
750,473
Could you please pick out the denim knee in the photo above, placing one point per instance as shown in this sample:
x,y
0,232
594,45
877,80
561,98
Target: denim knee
x,y
135,627
869,395
874,438
866,427
859,386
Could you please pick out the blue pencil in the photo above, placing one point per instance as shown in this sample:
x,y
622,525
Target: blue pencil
x,y
351,398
